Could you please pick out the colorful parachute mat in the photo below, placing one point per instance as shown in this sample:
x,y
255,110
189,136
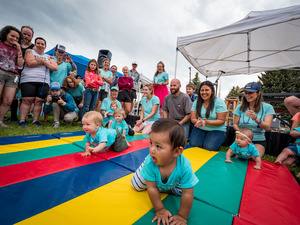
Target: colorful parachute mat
x,y
45,180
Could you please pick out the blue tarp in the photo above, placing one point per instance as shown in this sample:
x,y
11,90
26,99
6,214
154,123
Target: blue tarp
x,y
80,61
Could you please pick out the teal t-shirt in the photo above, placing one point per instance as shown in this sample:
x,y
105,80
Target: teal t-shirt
x,y
106,106
298,141
219,107
120,126
147,107
60,75
77,93
102,135
107,74
245,121
161,78
182,174
244,153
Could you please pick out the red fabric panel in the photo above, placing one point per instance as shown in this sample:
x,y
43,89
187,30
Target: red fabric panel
x,y
271,196
239,221
134,145
29,170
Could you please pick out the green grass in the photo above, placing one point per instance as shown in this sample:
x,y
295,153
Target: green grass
x,y
15,130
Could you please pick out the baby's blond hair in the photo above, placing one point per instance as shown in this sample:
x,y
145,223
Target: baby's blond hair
x,y
94,116
247,132
119,111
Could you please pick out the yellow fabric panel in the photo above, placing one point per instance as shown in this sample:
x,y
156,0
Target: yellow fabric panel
x,y
29,145
73,139
198,156
114,203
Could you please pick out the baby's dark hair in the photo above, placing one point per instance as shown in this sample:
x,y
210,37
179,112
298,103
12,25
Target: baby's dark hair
x,y
176,131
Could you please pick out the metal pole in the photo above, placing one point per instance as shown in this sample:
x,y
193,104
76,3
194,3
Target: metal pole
x,y
190,74
176,62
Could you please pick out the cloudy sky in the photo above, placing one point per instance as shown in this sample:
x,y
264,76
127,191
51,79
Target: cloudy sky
x,y
144,31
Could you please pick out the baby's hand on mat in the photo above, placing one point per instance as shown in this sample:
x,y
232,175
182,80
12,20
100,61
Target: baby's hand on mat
x,y
86,154
228,161
162,215
178,220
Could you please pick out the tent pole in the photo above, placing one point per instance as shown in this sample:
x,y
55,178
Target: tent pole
x,y
176,62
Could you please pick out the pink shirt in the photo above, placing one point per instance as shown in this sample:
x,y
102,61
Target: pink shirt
x,y
92,80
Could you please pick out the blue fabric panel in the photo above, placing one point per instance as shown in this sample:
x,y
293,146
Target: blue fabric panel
x,y
23,139
131,160
23,200
68,134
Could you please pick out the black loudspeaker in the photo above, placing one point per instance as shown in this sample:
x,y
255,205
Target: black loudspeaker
x,y
103,53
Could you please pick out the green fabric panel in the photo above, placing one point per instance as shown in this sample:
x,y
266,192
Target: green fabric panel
x,y
81,144
201,213
220,183
36,154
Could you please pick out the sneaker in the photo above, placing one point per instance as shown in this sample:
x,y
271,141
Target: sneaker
x,y
10,120
37,123
3,125
30,116
22,124
56,125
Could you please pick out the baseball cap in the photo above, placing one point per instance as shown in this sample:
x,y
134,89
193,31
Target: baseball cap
x,y
114,88
252,87
55,85
60,48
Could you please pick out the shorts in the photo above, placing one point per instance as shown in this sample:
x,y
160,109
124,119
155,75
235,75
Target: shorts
x,y
102,95
133,94
124,96
8,79
293,148
120,143
262,143
34,89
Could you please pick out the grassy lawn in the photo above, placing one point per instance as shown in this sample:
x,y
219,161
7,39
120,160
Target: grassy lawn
x,y
47,128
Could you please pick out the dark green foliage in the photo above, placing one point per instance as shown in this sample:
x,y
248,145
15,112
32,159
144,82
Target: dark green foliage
x,y
233,92
196,81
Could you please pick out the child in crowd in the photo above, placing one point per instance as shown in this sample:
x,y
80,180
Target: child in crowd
x,y
119,123
292,150
93,81
165,169
99,139
244,148
190,91
113,108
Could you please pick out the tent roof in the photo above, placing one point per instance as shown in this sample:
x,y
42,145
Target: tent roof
x,y
262,41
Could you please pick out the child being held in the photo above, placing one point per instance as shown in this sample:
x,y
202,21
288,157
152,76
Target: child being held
x,y
190,91
244,148
289,153
99,139
165,169
119,123
112,109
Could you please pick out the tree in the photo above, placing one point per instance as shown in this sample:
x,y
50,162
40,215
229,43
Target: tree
x,y
196,81
234,92
280,81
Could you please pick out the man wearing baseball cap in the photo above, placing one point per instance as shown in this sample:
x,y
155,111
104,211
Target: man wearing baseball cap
x,y
62,104
65,65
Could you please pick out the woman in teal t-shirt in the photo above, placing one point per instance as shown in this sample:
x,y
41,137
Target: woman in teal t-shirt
x,y
208,114
149,112
254,114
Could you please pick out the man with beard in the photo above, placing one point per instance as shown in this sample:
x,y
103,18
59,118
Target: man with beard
x,y
177,106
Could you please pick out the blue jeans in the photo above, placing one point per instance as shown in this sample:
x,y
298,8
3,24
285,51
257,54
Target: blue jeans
x,y
209,140
89,102
186,127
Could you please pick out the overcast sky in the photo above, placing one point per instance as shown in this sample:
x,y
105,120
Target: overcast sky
x,y
144,31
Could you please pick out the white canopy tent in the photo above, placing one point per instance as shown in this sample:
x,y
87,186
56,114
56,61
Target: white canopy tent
x,y
263,41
